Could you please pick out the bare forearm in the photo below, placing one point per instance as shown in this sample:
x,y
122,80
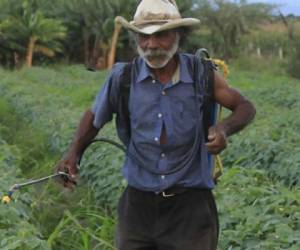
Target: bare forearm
x,y
241,116
243,112
83,136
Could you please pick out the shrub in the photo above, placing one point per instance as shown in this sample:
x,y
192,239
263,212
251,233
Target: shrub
x,y
293,65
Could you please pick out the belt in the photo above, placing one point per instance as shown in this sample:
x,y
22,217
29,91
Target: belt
x,y
172,191
169,192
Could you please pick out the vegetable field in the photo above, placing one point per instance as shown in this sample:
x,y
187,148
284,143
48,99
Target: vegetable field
x,y
258,196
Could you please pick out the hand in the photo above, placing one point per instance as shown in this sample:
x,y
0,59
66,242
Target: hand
x,y
217,139
68,165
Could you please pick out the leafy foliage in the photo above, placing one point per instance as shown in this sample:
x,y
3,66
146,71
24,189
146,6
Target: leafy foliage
x,y
87,228
229,21
256,212
41,108
293,64
27,26
83,30
15,228
30,227
273,142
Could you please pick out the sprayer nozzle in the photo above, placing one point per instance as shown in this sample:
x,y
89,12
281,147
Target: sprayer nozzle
x,y
6,199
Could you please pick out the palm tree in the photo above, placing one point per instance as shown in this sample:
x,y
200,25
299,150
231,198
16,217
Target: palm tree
x,y
33,31
7,48
92,23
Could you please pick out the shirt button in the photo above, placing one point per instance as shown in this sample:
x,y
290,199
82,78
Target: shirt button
x,y
156,139
163,92
153,81
159,115
162,177
163,155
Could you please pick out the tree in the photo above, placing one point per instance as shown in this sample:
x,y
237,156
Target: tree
x,y
92,23
33,31
229,21
8,49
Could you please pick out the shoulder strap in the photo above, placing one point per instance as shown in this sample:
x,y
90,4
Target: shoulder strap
x,y
209,103
208,72
207,82
125,84
209,68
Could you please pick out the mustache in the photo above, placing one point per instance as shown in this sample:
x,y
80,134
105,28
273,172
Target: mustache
x,y
150,53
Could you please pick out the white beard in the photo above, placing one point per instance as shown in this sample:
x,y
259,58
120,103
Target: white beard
x,y
158,58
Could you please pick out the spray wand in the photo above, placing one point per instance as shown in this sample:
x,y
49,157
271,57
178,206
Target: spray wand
x,y
7,198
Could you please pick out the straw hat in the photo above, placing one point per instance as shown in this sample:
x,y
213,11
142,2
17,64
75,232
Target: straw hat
x,y
153,16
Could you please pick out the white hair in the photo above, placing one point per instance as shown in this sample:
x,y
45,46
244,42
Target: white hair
x,y
159,58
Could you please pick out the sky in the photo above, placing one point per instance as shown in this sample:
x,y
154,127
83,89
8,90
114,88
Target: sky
x,y
285,6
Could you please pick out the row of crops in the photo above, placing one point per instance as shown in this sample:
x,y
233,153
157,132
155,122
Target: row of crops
x,y
15,228
258,196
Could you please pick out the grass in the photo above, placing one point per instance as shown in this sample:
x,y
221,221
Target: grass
x,y
44,105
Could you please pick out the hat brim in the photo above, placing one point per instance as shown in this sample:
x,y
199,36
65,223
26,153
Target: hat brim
x,y
151,28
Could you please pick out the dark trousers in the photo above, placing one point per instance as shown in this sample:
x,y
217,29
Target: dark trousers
x,y
149,221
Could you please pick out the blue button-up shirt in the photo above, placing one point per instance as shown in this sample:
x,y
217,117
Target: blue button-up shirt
x,y
152,106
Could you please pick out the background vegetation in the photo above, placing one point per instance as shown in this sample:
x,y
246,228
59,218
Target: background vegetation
x,y
83,31
258,196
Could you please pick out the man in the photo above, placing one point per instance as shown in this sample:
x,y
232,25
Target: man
x,y
168,204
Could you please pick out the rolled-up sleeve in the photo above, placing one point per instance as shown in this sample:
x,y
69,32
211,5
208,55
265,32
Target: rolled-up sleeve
x,y
106,101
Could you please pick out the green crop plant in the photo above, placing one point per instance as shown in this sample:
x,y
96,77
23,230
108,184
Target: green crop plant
x,y
257,201
257,213
16,229
272,142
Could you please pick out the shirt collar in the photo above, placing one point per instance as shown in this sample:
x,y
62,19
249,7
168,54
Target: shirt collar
x,y
184,72
144,71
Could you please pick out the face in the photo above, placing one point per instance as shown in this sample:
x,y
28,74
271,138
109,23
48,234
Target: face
x,y
158,49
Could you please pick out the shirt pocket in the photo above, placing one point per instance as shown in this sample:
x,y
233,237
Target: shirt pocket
x,y
183,122
191,108
142,110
